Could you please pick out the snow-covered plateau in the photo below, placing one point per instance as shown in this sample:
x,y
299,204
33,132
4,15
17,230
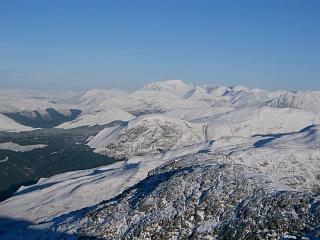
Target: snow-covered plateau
x,y
190,162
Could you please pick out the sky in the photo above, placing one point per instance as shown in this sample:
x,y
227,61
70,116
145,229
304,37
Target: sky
x,y
82,44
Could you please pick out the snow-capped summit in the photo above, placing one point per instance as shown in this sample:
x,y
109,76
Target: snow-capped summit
x,y
175,86
95,96
214,96
220,159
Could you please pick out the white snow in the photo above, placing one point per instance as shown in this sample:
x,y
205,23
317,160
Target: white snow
x,y
255,120
275,132
28,101
94,97
4,160
20,148
190,114
63,193
98,118
174,86
148,134
305,100
66,192
7,124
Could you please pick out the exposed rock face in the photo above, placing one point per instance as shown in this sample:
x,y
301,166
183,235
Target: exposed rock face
x,y
201,197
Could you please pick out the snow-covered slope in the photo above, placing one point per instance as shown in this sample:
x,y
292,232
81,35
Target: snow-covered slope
x,y
200,197
98,118
307,138
70,191
290,159
190,114
53,96
63,193
149,135
200,162
154,97
221,96
20,148
175,86
27,101
140,102
37,108
94,96
258,119
7,124
305,100
239,95
210,188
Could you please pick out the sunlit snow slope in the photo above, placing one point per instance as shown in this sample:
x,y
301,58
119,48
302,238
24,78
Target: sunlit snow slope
x,y
170,136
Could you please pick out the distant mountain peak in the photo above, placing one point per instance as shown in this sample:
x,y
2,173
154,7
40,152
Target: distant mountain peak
x,y
177,86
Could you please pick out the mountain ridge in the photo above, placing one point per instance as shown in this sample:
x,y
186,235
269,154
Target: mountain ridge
x,y
181,151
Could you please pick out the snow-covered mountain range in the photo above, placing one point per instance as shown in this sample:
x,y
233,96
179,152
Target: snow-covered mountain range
x,y
199,162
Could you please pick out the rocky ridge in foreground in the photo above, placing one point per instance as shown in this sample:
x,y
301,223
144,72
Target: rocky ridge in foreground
x,y
202,197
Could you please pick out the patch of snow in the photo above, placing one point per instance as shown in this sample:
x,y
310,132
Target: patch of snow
x,y
20,148
4,160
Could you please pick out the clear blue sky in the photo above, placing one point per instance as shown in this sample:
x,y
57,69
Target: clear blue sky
x,y
76,44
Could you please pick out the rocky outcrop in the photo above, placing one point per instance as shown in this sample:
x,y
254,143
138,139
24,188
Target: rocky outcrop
x,y
202,197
